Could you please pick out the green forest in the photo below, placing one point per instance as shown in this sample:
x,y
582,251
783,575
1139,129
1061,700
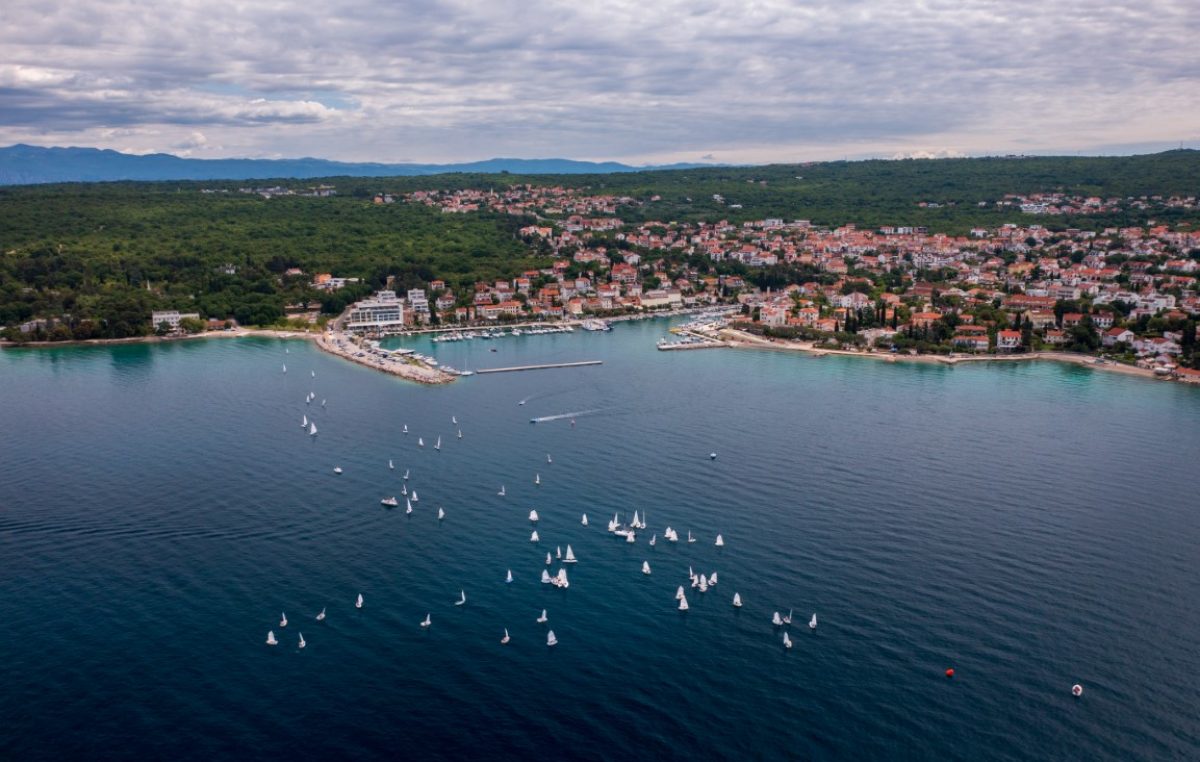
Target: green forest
x,y
97,258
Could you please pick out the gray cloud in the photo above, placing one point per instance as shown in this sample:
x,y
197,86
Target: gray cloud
x,y
754,80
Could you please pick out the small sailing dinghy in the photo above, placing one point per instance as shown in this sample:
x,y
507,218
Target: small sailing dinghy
x,y
404,489
653,540
420,442
584,521
321,616
285,367
537,478
441,513
645,567
679,593
776,620
548,459
283,620
683,604
460,433
462,598
542,619
406,428
406,474
737,600
561,579
415,499
438,445
545,577
426,621
454,420
812,623
271,641
314,374
548,559
508,577
702,585
569,558
304,422
358,602
407,507
533,516
788,619
504,640
390,466
557,551
690,538
712,579
337,469
550,639
501,492
720,541
534,537
301,644
312,429
787,642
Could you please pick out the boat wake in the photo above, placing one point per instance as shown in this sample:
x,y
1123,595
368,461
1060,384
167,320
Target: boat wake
x,y
560,416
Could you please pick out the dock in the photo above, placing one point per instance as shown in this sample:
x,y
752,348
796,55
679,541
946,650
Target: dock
x,y
515,368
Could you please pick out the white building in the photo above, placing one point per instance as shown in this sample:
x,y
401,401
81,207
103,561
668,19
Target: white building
x,y
417,301
171,318
379,313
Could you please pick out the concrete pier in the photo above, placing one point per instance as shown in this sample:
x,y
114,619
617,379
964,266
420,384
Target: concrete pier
x,y
516,368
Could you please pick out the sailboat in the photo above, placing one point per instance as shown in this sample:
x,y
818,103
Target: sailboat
x,y
454,420
548,460
720,541
737,600
285,367
534,537
533,516
407,507
301,644
702,585
321,616
645,567
322,402
508,577
545,577
426,621
636,523
537,478
776,620
312,429
631,537
558,551
462,598
548,559
542,619
390,466
314,374
584,521
653,539
788,619
561,579
690,538
787,642
812,623
504,640
404,490
285,351
438,445
550,639
441,513
569,558
406,474
337,469
420,441
283,620
712,579
304,422
271,641
358,602
501,492
683,604
679,593
406,428
415,499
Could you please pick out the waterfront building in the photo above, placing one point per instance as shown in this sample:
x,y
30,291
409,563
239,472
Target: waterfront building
x,y
171,317
379,313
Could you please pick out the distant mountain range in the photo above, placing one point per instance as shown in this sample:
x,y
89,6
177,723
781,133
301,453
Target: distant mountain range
x,y
23,164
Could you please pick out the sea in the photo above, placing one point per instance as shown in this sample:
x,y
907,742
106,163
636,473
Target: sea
x,y
1029,526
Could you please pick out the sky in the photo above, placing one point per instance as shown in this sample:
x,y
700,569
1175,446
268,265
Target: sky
x,y
651,81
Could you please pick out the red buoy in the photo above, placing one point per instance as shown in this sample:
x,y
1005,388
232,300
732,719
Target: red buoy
x,y
950,672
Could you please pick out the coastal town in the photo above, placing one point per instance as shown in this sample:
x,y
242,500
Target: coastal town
x,y
1126,294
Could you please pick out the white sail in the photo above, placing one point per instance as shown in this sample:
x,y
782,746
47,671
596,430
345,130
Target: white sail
x,y
414,496
314,374
304,422
584,521
462,598
358,602
683,604
321,616
271,633
406,474
501,492
454,420
505,638
420,442
631,537
545,577
776,619
390,466
550,639
788,619
537,478
720,541
737,600
508,577
712,579
460,433
679,593
285,351
635,523
301,644
653,540
562,579
557,551
812,623
534,537
407,505
645,567
548,559
533,516
312,429
703,584
690,538
438,445
543,617
283,620
569,558
285,367
441,513
406,428
322,402
426,621
548,459
787,642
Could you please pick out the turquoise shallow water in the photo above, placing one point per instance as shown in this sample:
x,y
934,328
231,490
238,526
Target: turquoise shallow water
x,y
1032,526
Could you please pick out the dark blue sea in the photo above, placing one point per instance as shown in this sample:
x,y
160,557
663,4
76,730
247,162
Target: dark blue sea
x,y
1031,526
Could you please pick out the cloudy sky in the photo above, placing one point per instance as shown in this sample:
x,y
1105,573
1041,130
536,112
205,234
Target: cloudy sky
x,y
646,81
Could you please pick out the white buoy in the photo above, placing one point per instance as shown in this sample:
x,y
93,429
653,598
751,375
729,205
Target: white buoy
x,y
1076,690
